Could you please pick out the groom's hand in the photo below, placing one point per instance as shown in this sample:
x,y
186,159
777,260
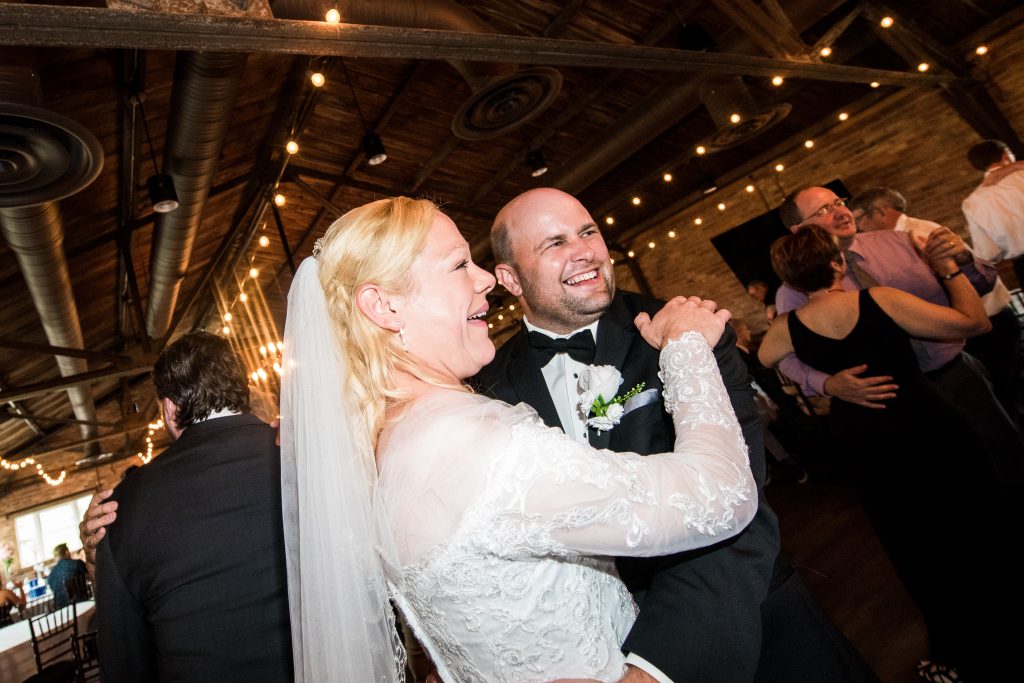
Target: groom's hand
x,y
681,315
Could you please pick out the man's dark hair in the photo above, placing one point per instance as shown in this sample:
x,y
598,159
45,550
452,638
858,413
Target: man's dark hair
x,y
200,374
804,259
871,198
986,153
501,245
788,212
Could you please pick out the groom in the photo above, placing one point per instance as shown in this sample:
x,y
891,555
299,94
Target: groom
x,y
732,612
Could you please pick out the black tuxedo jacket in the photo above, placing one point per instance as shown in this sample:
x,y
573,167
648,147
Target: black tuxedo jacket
x,y
700,612
191,581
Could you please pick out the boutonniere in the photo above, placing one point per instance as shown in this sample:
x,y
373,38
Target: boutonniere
x,y
596,382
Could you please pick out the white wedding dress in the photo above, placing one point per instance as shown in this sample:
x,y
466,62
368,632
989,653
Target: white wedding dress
x,y
505,528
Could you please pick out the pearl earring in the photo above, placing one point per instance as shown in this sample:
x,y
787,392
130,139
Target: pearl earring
x,y
402,339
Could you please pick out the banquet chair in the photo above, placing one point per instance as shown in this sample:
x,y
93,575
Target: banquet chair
x,y
52,643
87,656
78,588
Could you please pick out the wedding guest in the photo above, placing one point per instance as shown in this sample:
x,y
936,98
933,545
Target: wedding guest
x,y
66,569
738,612
9,600
494,530
190,574
916,479
995,208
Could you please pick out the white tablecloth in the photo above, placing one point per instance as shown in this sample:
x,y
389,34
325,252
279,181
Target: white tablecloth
x,y
16,660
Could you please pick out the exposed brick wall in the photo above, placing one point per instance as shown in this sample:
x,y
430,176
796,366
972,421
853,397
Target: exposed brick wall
x,y
912,141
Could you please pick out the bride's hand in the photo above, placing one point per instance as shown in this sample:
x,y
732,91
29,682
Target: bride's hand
x,y
681,315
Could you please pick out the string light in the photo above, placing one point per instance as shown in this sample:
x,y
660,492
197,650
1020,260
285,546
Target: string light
x,y
981,49
262,373
749,188
843,116
153,427
667,177
279,199
317,79
734,118
650,245
923,66
825,51
15,466
227,317
778,80
254,273
631,253
636,201
808,143
875,84
264,241
672,233
698,220
721,206
490,326
701,149
255,376
780,168
226,330
886,22
501,317
292,147
263,350
511,307
243,297
332,16
609,220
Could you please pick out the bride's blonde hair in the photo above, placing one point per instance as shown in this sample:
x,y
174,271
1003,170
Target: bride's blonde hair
x,y
373,244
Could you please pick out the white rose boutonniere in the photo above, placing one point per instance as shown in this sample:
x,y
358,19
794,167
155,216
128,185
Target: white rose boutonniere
x,y
596,382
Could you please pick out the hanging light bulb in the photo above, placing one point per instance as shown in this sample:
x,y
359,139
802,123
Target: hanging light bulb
x,y
698,220
667,177
279,199
227,317
292,147
672,233
636,201
610,220
780,168
254,273
734,118
721,206
981,49
778,80
332,16
243,297
264,241
825,51
886,22
749,188
843,116
317,79
650,245
808,143
631,253
701,149
923,66
226,330
373,148
875,84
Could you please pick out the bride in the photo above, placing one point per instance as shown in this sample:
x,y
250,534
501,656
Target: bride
x,y
491,532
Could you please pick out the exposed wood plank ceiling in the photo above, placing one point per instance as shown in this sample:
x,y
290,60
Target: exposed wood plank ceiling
x,y
629,109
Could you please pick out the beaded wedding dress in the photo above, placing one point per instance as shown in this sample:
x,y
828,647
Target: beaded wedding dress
x,y
505,528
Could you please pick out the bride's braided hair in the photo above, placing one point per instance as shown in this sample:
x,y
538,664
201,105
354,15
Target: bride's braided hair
x,y
375,243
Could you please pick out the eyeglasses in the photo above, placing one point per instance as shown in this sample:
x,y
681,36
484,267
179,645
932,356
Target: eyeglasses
x,y
826,209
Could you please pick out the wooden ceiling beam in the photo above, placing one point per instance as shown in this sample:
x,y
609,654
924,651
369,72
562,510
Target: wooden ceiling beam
x,y
63,383
64,351
47,25
775,39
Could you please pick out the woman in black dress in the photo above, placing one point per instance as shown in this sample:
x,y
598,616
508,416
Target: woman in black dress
x,y
941,513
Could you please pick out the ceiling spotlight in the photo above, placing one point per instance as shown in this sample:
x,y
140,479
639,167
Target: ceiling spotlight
x,y
253,273
780,168
701,149
777,81
317,79
610,220
825,52
749,188
264,241
875,84
734,118
721,206
279,199
292,147
332,16
667,177
886,22
162,194
636,201
538,165
981,49
923,66
808,143
373,148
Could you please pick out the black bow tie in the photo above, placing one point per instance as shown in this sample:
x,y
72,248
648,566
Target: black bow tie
x,y
579,346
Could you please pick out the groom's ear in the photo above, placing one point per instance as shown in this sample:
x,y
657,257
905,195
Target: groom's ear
x,y
508,278
377,305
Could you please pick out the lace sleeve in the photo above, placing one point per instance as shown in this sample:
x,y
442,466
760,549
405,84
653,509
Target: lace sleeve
x,y
550,495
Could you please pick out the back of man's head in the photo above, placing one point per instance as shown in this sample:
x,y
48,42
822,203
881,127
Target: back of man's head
x,y
61,551
877,197
789,213
201,374
986,154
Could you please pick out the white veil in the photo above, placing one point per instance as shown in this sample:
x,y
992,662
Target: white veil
x,y
343,626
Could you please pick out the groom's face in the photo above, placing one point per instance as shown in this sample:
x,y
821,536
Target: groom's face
x,y
562,273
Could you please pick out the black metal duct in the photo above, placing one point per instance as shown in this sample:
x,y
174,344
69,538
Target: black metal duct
x,y
663,107
504,97
44,157
205,86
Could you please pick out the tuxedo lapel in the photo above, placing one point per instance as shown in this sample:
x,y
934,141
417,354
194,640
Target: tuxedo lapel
x,y
528,382
615,334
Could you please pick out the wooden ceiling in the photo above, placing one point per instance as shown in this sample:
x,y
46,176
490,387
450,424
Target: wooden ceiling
x,y
629,110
